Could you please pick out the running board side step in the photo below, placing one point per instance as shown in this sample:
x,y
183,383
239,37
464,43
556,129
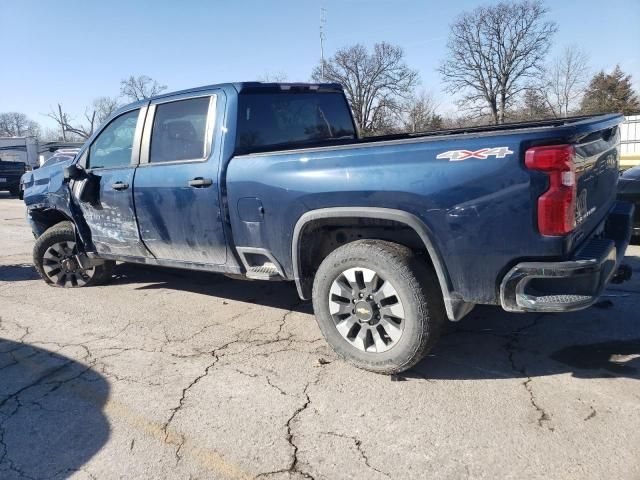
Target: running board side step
x,y
260,264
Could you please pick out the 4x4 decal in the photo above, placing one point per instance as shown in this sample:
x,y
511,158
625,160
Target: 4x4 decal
x,y
483,153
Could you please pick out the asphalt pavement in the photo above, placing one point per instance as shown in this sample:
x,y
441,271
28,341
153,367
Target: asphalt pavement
x,y
177,374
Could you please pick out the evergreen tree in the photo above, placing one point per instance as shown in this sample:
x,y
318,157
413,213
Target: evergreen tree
x,y
610,92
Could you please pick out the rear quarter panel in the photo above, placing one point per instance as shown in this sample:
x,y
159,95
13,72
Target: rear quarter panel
x,y
479,211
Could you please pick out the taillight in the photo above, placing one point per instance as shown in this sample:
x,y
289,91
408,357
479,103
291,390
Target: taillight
x,y
556,206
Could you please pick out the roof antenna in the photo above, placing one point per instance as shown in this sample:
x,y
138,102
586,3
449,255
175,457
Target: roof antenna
x,y
323,21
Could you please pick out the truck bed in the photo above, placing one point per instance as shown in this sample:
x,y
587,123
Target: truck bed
x,y
481,130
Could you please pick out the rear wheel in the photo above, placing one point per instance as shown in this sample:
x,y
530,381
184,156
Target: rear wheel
x,y
54,256
378,305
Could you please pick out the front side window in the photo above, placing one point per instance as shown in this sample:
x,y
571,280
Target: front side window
x,y
179,130
112,148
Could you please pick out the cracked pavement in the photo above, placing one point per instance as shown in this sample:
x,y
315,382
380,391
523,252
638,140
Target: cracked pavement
x,y
186,375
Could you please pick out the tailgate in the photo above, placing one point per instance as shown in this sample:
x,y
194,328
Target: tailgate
x,y
596,167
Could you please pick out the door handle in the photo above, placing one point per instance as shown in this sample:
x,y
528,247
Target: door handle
x,y
200,182
119,186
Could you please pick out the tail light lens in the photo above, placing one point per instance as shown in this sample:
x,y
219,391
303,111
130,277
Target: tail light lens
x,y
556,206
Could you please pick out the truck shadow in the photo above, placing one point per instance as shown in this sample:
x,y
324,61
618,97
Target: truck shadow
x,y
51,413
18,272
493,344
270,294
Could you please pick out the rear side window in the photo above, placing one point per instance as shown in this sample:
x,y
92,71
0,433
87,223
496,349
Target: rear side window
x,y
179,130
282,120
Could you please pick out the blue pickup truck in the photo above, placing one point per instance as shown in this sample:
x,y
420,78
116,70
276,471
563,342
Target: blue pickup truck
x,y
389,236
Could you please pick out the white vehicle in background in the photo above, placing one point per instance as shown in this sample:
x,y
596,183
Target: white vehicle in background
x,y
46,150
630,142
60,156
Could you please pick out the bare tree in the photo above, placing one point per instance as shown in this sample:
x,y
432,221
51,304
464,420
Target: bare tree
x,y
565,81
101,108
104,107
84,130
493,51
376,83
140,87
419,113
61,118
534,106
277,77
68,131
16,124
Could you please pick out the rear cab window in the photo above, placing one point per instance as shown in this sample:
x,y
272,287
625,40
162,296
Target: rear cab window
x,y
281,120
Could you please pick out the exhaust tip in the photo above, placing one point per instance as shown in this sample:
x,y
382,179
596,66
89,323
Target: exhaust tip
x,y
622,274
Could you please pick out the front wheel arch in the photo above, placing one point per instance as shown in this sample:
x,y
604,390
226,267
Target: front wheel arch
x,y
56,259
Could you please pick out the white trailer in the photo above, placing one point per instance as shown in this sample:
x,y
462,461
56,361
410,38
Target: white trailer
x,y
630,142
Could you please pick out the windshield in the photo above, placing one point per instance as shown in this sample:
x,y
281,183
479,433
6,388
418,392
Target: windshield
x,y
287,119
56,159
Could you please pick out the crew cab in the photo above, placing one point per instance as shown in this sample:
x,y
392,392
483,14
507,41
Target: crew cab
x,y
389,236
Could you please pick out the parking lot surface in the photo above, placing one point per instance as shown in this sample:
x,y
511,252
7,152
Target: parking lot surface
x,y
176,374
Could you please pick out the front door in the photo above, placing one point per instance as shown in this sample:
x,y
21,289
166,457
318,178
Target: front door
x,y
111,160
176,190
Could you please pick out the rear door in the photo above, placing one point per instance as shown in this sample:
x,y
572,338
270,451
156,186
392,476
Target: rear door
x,y
111,159
176,191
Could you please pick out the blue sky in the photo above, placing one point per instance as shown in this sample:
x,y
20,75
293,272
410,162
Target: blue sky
x,y
72,51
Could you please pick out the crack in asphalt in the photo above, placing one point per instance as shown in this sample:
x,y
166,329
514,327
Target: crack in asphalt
x,y
179,440
358,444
15,396
514,338
592,414
165,428
95,360
257,375
293,465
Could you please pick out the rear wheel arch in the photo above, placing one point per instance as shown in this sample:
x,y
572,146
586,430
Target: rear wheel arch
x,y
416,235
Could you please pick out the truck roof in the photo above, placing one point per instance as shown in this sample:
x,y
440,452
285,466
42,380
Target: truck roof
x,y
246,87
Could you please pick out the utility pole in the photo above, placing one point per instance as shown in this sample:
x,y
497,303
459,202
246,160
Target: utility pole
x,y
323,21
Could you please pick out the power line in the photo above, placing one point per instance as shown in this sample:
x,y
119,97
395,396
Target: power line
x,y
323,21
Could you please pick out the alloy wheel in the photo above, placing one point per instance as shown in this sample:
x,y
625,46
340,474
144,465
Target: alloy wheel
x,y
61,266
367,310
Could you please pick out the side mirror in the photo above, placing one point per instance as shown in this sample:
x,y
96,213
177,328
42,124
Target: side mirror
x,y
73,172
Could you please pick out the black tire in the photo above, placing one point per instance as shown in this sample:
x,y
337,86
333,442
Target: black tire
x,y
15,192
59,234
414,282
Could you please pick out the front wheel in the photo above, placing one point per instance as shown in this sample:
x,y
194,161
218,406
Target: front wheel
x,y
54,256
378,304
